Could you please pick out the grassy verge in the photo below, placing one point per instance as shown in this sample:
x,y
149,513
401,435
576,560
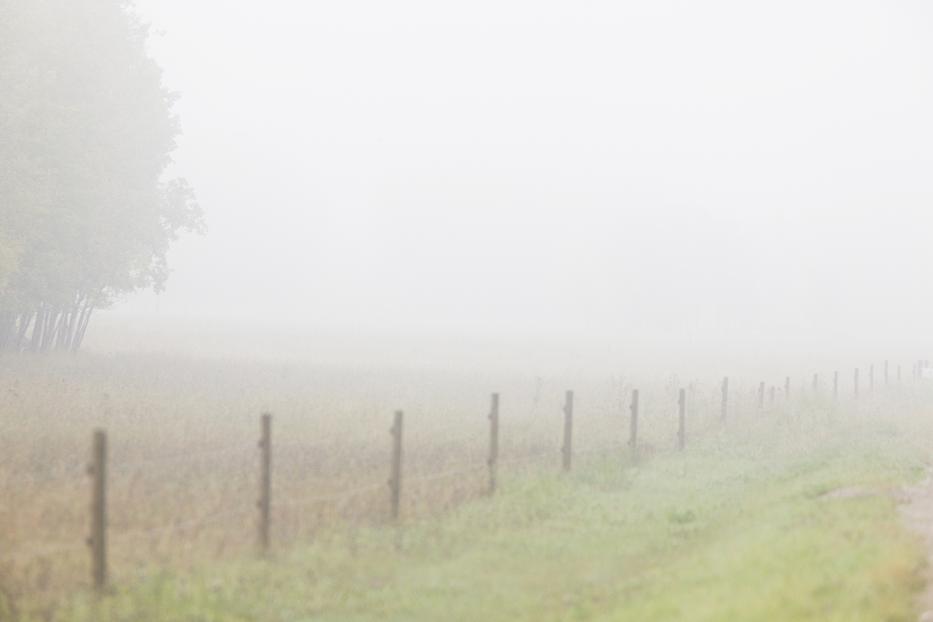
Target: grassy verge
x,y
716,534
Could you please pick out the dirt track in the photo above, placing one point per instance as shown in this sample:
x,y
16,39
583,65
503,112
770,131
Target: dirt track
x,y
917,510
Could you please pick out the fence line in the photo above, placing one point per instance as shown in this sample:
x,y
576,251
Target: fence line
x,y
100,469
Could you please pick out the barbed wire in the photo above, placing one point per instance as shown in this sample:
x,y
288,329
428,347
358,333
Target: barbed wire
x,y
177,526
73,472
430,477
342,496
39,550
32,551
118,466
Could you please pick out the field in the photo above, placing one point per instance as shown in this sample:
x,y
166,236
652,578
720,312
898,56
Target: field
x,y
784,513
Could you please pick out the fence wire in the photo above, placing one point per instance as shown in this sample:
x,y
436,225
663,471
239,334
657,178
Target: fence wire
x,y
705,412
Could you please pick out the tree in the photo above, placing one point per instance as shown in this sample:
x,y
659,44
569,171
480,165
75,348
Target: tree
x,y
86,134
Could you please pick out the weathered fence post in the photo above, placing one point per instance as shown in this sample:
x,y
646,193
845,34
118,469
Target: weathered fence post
x,y
633,426
871,378
836,385
724,411
682,420
493,442
761,395
855,386
395,479
787,388
265,481
97,541
567,449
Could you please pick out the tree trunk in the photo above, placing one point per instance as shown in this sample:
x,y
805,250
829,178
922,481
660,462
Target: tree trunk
x,y
63,342
82,327
25,319
47,328
7,329
48,334
35,344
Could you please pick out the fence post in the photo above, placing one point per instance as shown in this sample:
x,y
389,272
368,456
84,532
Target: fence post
x,y
761,395
395,481
493,442
836,385
787,388
682,420
633,426
97,541
265,481
725,398
567,449
856,383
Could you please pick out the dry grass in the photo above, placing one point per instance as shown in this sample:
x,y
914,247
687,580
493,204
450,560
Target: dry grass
x,y
184,458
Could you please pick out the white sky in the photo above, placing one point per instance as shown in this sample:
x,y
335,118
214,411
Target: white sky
x,y
695,168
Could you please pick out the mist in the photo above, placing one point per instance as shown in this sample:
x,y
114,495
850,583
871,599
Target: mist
x,y
716,172
502,310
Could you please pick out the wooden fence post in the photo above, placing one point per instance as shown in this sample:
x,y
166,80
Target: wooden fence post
x,y
787,388
98,538
835,385
567,448
682,420
265,482
856,383
761,396
633,426
724,411
395,481
493,442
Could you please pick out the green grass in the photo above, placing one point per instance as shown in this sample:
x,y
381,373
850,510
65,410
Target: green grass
x,y
716,534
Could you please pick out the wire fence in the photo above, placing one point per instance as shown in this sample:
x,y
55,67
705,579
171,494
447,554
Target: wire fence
x,y
699,414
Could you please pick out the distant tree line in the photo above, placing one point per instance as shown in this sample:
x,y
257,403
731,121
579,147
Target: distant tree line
x,y
86,134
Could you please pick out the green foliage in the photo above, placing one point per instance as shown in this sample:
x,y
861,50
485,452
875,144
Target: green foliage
x,y
86,134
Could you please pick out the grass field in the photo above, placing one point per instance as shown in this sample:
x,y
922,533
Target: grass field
x,y
788,514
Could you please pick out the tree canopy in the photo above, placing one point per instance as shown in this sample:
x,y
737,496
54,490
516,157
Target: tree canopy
x,y
87,130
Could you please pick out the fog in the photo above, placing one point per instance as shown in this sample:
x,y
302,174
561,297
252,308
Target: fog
x,y
726,173
494,310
